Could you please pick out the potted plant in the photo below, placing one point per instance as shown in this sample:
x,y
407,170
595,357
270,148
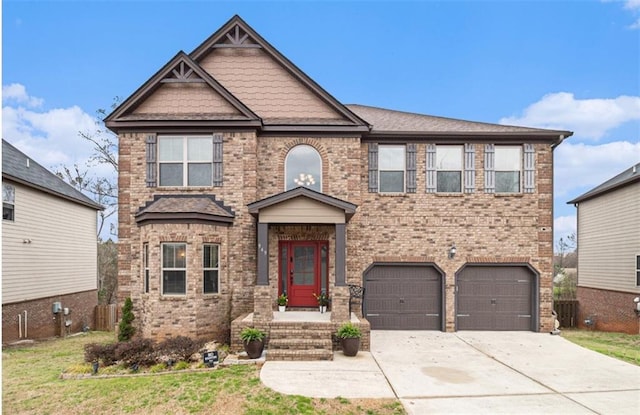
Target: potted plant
x,y
323,301
282,302
253,341
349,335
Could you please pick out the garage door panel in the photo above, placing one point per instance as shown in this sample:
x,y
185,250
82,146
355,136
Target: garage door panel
x,y
495,298
403,297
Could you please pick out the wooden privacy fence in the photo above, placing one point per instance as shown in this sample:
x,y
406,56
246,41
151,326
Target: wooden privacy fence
x,y
106,317
567,311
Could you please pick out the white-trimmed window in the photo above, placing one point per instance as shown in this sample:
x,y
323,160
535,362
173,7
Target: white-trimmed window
x,y
303,167
391,168
8,202
145,267
211,268
449,168
185,160
174,268
508,169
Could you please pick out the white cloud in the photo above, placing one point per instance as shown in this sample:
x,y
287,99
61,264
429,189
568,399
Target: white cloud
x,y
564,226
588,118
632,4
17,93
635,25
580,167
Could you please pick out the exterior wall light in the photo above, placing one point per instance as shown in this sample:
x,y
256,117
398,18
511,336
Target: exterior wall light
x,y
637,306
452,250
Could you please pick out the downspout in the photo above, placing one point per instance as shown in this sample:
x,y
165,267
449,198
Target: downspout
x,y
19,326
25,324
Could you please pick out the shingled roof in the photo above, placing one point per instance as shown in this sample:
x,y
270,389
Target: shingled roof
x,y
631,175
20,168
385,121
181,208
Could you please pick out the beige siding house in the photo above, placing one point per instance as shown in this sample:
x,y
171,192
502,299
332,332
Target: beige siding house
x,y
609,252
49,251
242,179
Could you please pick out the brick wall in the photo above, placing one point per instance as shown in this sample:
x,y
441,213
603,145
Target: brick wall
x,y
42,323
611,310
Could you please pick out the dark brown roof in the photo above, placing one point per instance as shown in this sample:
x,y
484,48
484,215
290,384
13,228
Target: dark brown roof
x,y
385,121
178,208
631,175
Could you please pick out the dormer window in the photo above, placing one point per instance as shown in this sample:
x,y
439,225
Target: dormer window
x,y
303,167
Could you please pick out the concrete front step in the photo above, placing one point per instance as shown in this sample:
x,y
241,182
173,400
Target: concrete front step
x,y
299,355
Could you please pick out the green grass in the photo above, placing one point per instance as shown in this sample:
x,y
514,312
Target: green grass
x,y
31,384
619,345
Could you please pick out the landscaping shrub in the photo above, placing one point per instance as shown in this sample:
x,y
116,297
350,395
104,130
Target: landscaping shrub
x,y
137,351
105,353
125,328
179,348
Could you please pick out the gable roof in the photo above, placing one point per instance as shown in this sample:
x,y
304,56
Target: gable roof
x,y
348,208
185,208
20,168
236,33
627,177
181,68
390,123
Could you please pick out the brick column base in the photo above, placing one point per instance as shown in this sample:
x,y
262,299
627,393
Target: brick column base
x,y
340,305
262,304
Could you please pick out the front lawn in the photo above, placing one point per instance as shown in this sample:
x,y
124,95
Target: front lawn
x,y
619,345
31,384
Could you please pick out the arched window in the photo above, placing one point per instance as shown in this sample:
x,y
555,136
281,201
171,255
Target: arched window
x,y
303,167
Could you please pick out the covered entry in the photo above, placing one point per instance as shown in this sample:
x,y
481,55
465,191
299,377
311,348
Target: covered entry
x,y
404,296
496,297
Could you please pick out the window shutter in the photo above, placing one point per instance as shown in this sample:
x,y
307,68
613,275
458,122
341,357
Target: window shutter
x,y
373,167
411,168
431,168
489,169
529,168
152,166
217,159
469,168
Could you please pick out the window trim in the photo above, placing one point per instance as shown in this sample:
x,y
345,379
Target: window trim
x,y
461,170
9,205
163,269
145,267
286,166
185,160
205,269
381,147
520,170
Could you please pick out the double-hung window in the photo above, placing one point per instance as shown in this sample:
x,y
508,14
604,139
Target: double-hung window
x,y
185,160
508,168
449,169
391,168
8,202
145,266
211,268
174,268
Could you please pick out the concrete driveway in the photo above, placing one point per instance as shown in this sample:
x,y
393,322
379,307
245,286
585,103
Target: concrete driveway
x,y
470,373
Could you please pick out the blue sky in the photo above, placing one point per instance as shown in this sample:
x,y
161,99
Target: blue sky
x,y
568,65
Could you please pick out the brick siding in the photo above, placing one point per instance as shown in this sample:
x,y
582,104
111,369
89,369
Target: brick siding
x,y
611,310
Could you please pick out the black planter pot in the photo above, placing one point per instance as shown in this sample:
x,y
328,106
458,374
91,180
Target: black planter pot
x,y
350,346
254,348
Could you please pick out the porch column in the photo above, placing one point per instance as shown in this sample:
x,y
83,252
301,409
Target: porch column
x,y
341,252
263,254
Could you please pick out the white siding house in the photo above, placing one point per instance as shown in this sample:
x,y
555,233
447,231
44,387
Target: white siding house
x,y
609,252
49,251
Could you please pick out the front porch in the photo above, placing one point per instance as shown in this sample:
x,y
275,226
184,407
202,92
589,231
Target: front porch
x,y
298,335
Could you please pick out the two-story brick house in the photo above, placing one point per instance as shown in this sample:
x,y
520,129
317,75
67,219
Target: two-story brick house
x,y
241,178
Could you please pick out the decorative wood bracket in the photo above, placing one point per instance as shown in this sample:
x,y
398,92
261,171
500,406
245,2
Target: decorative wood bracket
x,y
236,38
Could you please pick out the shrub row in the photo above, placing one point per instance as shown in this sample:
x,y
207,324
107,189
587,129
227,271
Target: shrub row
x,y
143,352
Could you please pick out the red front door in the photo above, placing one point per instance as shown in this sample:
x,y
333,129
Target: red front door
x,y
303,271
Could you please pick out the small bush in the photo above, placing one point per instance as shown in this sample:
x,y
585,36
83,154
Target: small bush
x,y
348,331
125,328
157,368
179,348
137,351
79,369
105,353
181,365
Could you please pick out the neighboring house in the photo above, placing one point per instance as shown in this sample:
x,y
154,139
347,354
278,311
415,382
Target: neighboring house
x,y
609,253
241,178
49,251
